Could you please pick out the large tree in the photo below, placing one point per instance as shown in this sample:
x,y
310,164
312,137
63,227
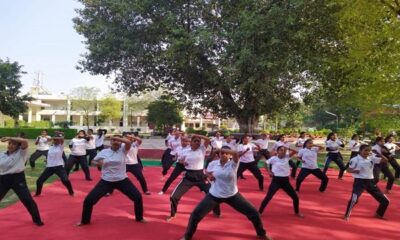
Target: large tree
x,y
84,99
12,102
240,59
164,113
110,108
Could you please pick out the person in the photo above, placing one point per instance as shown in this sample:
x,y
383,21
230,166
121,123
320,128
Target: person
x,y
333,144
230,141
279,170
12,175
308,155
216,143
222,174
247,161
193,161
99,139
42,147
78,154
361,167
354,146
113,176
300,145
168,159
132,162
91,150
282,142
262,144
383,153
393,147
179,167
55,165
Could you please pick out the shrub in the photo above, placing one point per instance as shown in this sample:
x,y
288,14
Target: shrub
x,y
41,124
32,133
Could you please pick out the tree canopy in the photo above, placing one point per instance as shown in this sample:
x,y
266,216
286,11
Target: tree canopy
x,y
84,99
164,112
239,59
110,108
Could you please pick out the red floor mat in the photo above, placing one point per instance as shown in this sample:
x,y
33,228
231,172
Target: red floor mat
x,y
113,216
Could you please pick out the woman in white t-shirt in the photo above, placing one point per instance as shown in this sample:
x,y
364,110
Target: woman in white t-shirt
x,y
222,173
333,145
78,154
54,165
113,176
12,175
42,147
279,170
393,147
282,142
308,155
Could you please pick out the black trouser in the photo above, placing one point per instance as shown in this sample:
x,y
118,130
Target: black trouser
x,y
192,178
384,168
166,161
17,183
102,188
136,170
395,166
276,184
337,158
367,184
237,202
253,168
37,154
294,167
64,157
80,160
353,154
91,153
304,172
48,172
262,153
179,168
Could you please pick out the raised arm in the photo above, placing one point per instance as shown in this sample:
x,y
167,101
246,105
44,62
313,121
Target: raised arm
x,y
22,141
205,138
137,139
235,155
127,142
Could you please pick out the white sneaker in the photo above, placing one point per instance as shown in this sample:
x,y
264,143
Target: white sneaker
x,y
161,193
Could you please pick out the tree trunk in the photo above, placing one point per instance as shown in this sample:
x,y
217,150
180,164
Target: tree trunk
x,y
247,124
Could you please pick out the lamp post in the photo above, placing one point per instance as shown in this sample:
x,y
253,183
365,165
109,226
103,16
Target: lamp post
x,y
337,119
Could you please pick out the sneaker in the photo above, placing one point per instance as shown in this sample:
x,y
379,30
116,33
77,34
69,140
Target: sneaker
x,y
169,218
160,193
147,193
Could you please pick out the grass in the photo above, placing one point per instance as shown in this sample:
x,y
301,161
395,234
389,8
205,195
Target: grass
x,y
31,176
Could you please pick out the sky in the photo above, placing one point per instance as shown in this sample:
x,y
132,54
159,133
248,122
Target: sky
x,y
39,35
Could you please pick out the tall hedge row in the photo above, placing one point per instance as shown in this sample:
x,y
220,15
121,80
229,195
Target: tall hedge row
x,y
32,133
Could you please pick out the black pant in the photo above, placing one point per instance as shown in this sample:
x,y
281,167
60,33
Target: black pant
x,y
166,161
253,168
384,168
304,172
294,167
262,153
136,170
395,166
17,183
369,185
80,160
353,154
102,188
337,158
99,148
48,172
37,154
179,168
237,202
276,184
64,157
192,178
91,153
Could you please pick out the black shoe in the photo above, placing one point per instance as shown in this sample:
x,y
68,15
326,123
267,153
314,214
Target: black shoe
x,y
39,224
89,179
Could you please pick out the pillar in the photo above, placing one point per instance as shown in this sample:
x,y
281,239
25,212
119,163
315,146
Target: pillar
x,y
30,116
53,118
80,120
138,121
38,117
68,110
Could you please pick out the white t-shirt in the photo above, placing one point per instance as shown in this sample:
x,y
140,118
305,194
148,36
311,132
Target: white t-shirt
x,y
173,144
194,160
280,167
13,163
263,143
78,146
391,147
131,157
43,144
278,144
354,146
365,166
333,145
217,142
310,157
98,141
300,143
54,157
231,144
114,164
377,148
225,183
249,155
91,144
180,151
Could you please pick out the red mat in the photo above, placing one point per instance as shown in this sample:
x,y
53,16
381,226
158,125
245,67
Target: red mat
x,y
113,216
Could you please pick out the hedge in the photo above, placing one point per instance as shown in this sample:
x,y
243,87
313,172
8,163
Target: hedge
x,y
32,133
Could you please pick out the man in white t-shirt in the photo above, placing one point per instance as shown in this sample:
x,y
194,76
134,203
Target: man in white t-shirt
x,y
42,148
